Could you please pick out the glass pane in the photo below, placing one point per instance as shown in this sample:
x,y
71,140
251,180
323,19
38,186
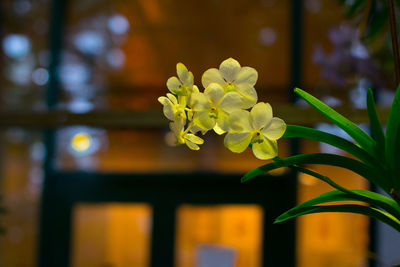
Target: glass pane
x,y
220,235
330,239
147,151
24,54
111,235
119,54
21,178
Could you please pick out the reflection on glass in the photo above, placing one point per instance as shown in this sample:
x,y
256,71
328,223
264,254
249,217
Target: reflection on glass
x,y
230,235
106,235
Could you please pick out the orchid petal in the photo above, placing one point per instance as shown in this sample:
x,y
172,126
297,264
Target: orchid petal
x,y
212,76
248,93
275,129
199,102
222,123
229,69
172,98
239,121
237,142
203,120
247,75
267,149
218,130
184,75
194,139
192,145
173,84
168,108
214,92
230,102
260,115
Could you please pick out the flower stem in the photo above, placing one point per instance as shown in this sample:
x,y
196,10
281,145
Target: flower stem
x,y
190,125
395,43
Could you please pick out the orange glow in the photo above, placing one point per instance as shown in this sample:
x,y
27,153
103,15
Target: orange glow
x,y
151,10
236,228
111,234
330,239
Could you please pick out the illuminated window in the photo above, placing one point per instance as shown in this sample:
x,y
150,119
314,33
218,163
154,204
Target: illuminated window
x,y
111,235
230,235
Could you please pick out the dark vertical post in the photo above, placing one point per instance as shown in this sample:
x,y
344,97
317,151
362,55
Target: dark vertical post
x,y
296,48
54,230
296,60
2,20
2,63
295,81
395,42
163,235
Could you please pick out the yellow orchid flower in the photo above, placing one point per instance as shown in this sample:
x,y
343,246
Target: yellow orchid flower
x,y
173,108
183,84
184,137
234,78
212,108
258,127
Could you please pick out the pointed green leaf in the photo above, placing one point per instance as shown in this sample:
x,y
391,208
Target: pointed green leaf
x,y
369,197
376,126
377,20
331,139
393,139
349,127
325,159
368,211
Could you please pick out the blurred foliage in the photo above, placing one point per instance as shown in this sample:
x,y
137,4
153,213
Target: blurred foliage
x,y
373,20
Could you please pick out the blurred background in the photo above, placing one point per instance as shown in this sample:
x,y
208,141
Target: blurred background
x,y
87,178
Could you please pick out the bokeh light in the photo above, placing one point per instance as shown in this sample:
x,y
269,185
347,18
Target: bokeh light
x,y
81,142
118,24
16,45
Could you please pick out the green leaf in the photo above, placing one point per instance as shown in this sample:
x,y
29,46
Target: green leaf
x,y
325,159
378,18
349,127
331,139
371,198
368,211
376,126
392,139
357,6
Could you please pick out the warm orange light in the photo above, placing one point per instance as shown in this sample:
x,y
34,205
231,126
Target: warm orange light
x,y
111,234
234,229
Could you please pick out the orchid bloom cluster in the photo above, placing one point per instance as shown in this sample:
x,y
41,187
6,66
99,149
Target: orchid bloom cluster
x,y
227,105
